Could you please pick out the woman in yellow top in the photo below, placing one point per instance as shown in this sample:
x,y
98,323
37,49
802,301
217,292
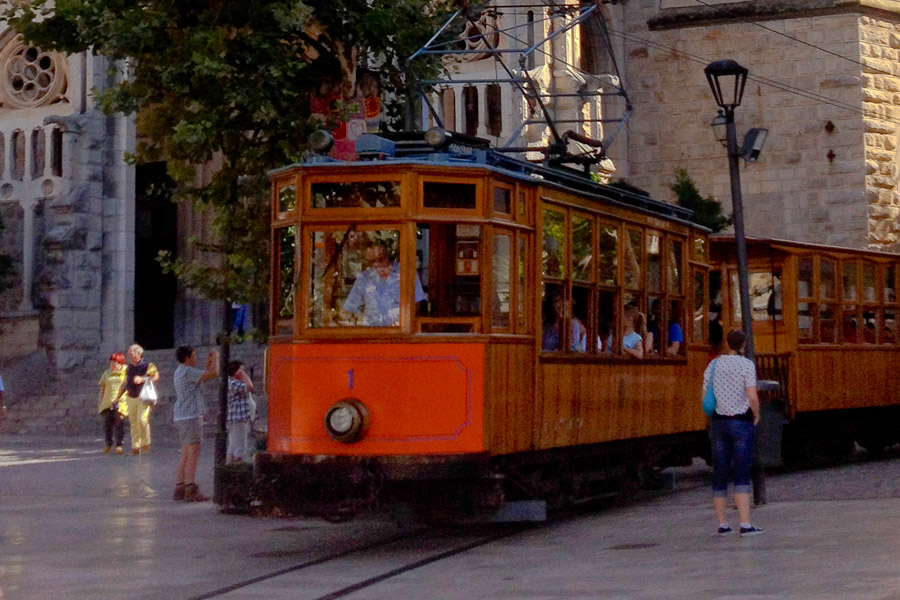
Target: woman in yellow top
x,y
113,413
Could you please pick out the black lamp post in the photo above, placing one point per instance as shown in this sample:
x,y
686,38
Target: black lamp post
x,y
727,79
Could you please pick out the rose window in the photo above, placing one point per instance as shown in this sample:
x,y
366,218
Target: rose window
x,y
31,77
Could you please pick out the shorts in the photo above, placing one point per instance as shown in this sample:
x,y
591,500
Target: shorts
x,y
190,431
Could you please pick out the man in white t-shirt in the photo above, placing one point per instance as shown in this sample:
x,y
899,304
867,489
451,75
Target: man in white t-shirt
x,y
190,406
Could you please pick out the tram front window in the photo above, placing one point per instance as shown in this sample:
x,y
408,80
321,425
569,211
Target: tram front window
x,y
355,279
449,258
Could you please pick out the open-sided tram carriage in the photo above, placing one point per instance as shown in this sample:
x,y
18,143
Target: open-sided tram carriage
x,y
473,389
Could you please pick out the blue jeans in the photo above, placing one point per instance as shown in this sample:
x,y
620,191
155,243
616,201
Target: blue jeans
x,y
732,443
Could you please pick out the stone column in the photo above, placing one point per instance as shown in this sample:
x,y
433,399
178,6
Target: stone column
x,y
28,204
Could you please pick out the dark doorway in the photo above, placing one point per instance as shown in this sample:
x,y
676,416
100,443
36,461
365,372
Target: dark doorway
x,y
155,229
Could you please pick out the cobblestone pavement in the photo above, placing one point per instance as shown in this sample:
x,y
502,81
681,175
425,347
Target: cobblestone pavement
x,y
78,525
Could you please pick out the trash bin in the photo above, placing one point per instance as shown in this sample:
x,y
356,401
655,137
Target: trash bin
x,y
771,422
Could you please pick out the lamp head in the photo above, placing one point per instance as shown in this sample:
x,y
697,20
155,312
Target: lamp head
x,y
753,143
719,127
726,80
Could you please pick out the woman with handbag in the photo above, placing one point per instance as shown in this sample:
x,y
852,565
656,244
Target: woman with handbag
x,y
733,429
140,397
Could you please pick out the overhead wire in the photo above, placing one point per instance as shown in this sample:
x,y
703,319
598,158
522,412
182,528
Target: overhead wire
x,y
793,38
762,80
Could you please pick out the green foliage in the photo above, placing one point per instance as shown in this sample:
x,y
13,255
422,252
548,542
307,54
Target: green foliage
x,y
229,84
707,210
7,270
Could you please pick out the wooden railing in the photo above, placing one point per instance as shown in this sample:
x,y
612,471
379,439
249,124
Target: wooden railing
x,y
774,367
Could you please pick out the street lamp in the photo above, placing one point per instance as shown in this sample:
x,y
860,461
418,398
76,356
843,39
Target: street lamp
x,y
727,80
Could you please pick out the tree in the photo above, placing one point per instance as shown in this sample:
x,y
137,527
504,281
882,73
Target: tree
x,y
707,210
230,83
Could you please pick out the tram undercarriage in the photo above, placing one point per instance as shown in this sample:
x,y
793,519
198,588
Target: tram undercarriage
x,y
464,486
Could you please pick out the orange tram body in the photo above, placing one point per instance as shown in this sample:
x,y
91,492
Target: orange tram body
x,y
449,331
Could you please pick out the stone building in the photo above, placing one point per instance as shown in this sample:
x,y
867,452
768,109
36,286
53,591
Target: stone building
x,y
824,80
67,199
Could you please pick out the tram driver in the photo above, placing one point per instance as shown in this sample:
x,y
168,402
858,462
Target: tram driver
x,y
376,292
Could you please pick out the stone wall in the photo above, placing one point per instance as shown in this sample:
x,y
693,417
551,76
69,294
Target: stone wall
x,y
879,47
810,183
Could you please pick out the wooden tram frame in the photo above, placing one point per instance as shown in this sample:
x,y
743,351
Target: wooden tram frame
x,y
547,421
837,386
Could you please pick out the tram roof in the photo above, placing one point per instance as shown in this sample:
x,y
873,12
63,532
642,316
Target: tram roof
x,y
562,178
792,245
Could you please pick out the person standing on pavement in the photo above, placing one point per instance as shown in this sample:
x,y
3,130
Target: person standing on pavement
x,y
241,411
114,413
190,407
137,372
733,430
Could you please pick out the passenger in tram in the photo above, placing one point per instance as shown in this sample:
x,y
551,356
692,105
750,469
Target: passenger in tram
x,y
633,341
550,340
376,292
676,338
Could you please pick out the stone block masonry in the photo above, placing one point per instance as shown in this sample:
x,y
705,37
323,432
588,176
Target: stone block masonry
x,y
824,80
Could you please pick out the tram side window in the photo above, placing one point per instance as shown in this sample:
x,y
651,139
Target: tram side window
x,y
287,198
501,281
869,309
561,330
889,329
697,331
521,281
355,279
361,194
606,323
554,254
449,195
828,308
765,296
805,306
450,259
716,331
285,279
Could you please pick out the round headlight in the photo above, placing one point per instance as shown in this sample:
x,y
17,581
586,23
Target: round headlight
x,y
436,137
321,141
347,421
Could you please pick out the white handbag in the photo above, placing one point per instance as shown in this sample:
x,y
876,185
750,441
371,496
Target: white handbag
x,y
148,393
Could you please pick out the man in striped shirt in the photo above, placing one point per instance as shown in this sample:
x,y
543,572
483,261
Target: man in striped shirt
x,y
190,406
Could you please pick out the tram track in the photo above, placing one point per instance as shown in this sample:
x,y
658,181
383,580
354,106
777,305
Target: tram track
x,y
370,549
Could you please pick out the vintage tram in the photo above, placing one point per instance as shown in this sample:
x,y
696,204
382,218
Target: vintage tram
x,y
825,327
447,327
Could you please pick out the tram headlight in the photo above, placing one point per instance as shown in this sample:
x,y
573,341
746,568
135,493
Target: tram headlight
x,y
320,141
347,420
437,137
